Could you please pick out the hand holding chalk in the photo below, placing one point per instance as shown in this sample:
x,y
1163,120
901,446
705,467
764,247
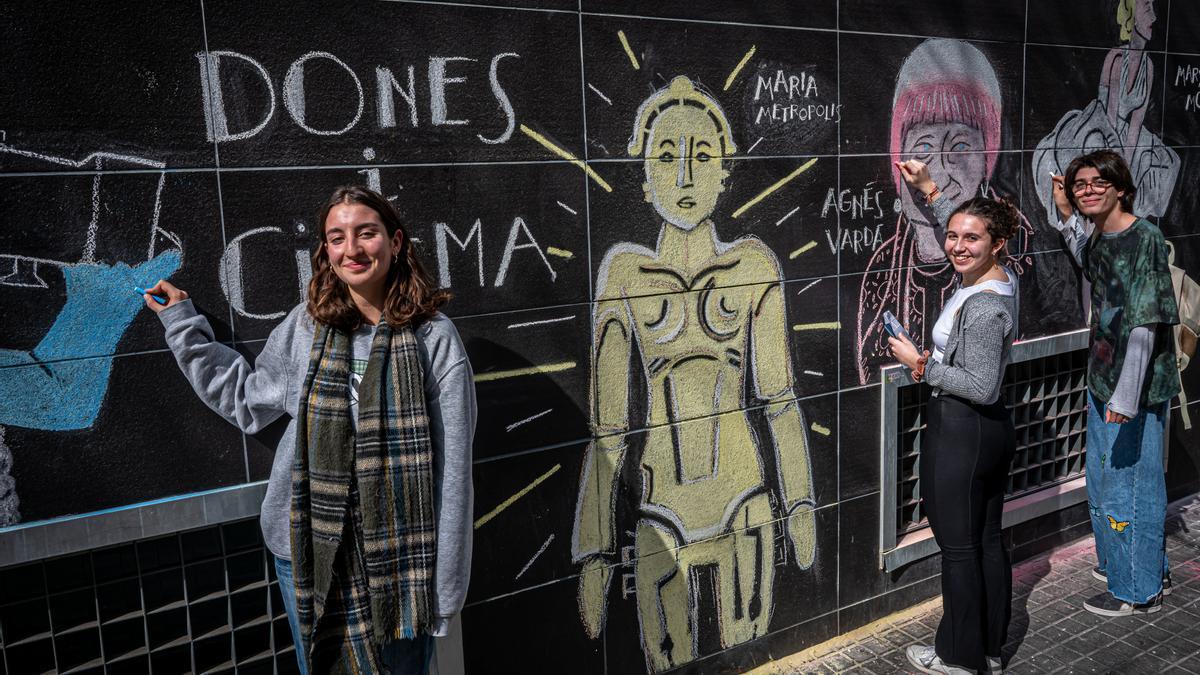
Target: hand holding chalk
x,y
162,295
157,298
916,174
1061,200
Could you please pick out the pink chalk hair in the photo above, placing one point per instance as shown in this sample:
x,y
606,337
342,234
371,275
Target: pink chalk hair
x,y
946,81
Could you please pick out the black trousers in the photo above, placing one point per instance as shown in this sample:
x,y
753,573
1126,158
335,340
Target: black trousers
x,y
965,458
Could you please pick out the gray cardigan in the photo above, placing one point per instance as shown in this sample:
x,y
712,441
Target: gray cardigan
x,y
978,349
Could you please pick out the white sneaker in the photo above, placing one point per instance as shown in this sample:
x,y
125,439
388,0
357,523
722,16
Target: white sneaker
x,y
925,659
995,666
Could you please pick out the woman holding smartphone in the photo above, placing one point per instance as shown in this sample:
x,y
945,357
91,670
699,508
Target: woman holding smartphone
x,y
969,439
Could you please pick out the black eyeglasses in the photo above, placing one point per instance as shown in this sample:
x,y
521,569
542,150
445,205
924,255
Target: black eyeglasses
x,y
1098,186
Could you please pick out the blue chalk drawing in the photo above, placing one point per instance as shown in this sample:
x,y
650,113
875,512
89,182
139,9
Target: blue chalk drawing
x,y
65,387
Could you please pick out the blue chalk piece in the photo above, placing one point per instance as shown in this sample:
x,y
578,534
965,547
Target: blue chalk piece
x,y
157,298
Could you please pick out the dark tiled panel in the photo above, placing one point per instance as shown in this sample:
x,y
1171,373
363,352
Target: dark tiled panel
x,y
529,542
815,14
858,449
501,643
861,577
978,19
875,608
1180,219
131,85
531,377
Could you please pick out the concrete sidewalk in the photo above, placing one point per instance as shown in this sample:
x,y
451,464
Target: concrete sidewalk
x,y
1050,632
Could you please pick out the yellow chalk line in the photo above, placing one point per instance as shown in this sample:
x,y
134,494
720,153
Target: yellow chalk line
x,y
796,254
483,520
824,431
828,325
783,181
628,50
567,156
518,372
737,69
563,253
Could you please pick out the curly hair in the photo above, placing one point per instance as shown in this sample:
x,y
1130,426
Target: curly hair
x,y
999,215
412,296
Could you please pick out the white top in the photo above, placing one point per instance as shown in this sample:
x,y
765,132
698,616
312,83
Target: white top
x,y
945,321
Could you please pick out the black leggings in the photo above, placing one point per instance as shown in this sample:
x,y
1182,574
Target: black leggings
x,y
965,459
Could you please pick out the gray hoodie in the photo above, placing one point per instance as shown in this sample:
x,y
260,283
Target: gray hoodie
x,y
251,397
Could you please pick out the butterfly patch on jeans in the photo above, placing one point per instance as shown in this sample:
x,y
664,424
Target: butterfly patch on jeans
x,y
1118,525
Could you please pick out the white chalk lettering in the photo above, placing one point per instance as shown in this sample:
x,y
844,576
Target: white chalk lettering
x,y
229,272
865,238
221,103
437,89
443,253
1187,74
386,83
216,122
860,204
295,101
519,226
789,85
502,99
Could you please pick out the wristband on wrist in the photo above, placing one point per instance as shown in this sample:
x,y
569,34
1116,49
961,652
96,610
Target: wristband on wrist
x,y
918,373
933,195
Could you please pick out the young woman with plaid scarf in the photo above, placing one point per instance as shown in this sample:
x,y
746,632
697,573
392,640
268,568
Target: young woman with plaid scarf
x,y
368,508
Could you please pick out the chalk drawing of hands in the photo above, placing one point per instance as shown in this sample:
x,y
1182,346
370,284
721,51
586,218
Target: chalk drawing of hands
x,y
68,378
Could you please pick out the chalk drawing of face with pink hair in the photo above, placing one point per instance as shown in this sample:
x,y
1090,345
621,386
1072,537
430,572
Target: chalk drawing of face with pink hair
x,y
946,113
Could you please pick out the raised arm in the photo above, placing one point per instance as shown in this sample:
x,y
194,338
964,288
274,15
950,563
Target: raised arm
x,y
250,397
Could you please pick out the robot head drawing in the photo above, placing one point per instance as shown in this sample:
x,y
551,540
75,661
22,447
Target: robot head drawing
x,y
684,137
946,113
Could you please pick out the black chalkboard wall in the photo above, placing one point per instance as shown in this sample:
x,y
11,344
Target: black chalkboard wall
x,y
523,141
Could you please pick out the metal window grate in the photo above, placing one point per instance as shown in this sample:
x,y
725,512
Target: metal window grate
x,y
1048,399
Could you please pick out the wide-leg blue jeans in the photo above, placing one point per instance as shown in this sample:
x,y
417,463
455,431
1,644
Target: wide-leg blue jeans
x,y
1127,498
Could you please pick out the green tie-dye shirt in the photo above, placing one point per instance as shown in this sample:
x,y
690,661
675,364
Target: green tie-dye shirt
x,y
1131,287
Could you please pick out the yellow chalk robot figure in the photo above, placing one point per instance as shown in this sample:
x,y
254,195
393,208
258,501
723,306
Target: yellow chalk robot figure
x,y
713,341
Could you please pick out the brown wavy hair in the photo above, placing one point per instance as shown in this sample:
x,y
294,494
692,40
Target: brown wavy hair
x,y
999,215
412,296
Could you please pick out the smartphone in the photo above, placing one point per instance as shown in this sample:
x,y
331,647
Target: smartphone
x,y
893,326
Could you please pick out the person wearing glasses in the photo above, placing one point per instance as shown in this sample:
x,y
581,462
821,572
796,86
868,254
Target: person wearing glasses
x,y
1131,377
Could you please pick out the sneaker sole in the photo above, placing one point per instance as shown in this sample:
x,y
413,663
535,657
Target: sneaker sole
x,y
917,664
1166,590
1123,612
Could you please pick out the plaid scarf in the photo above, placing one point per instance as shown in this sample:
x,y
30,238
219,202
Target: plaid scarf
x,y
362,527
